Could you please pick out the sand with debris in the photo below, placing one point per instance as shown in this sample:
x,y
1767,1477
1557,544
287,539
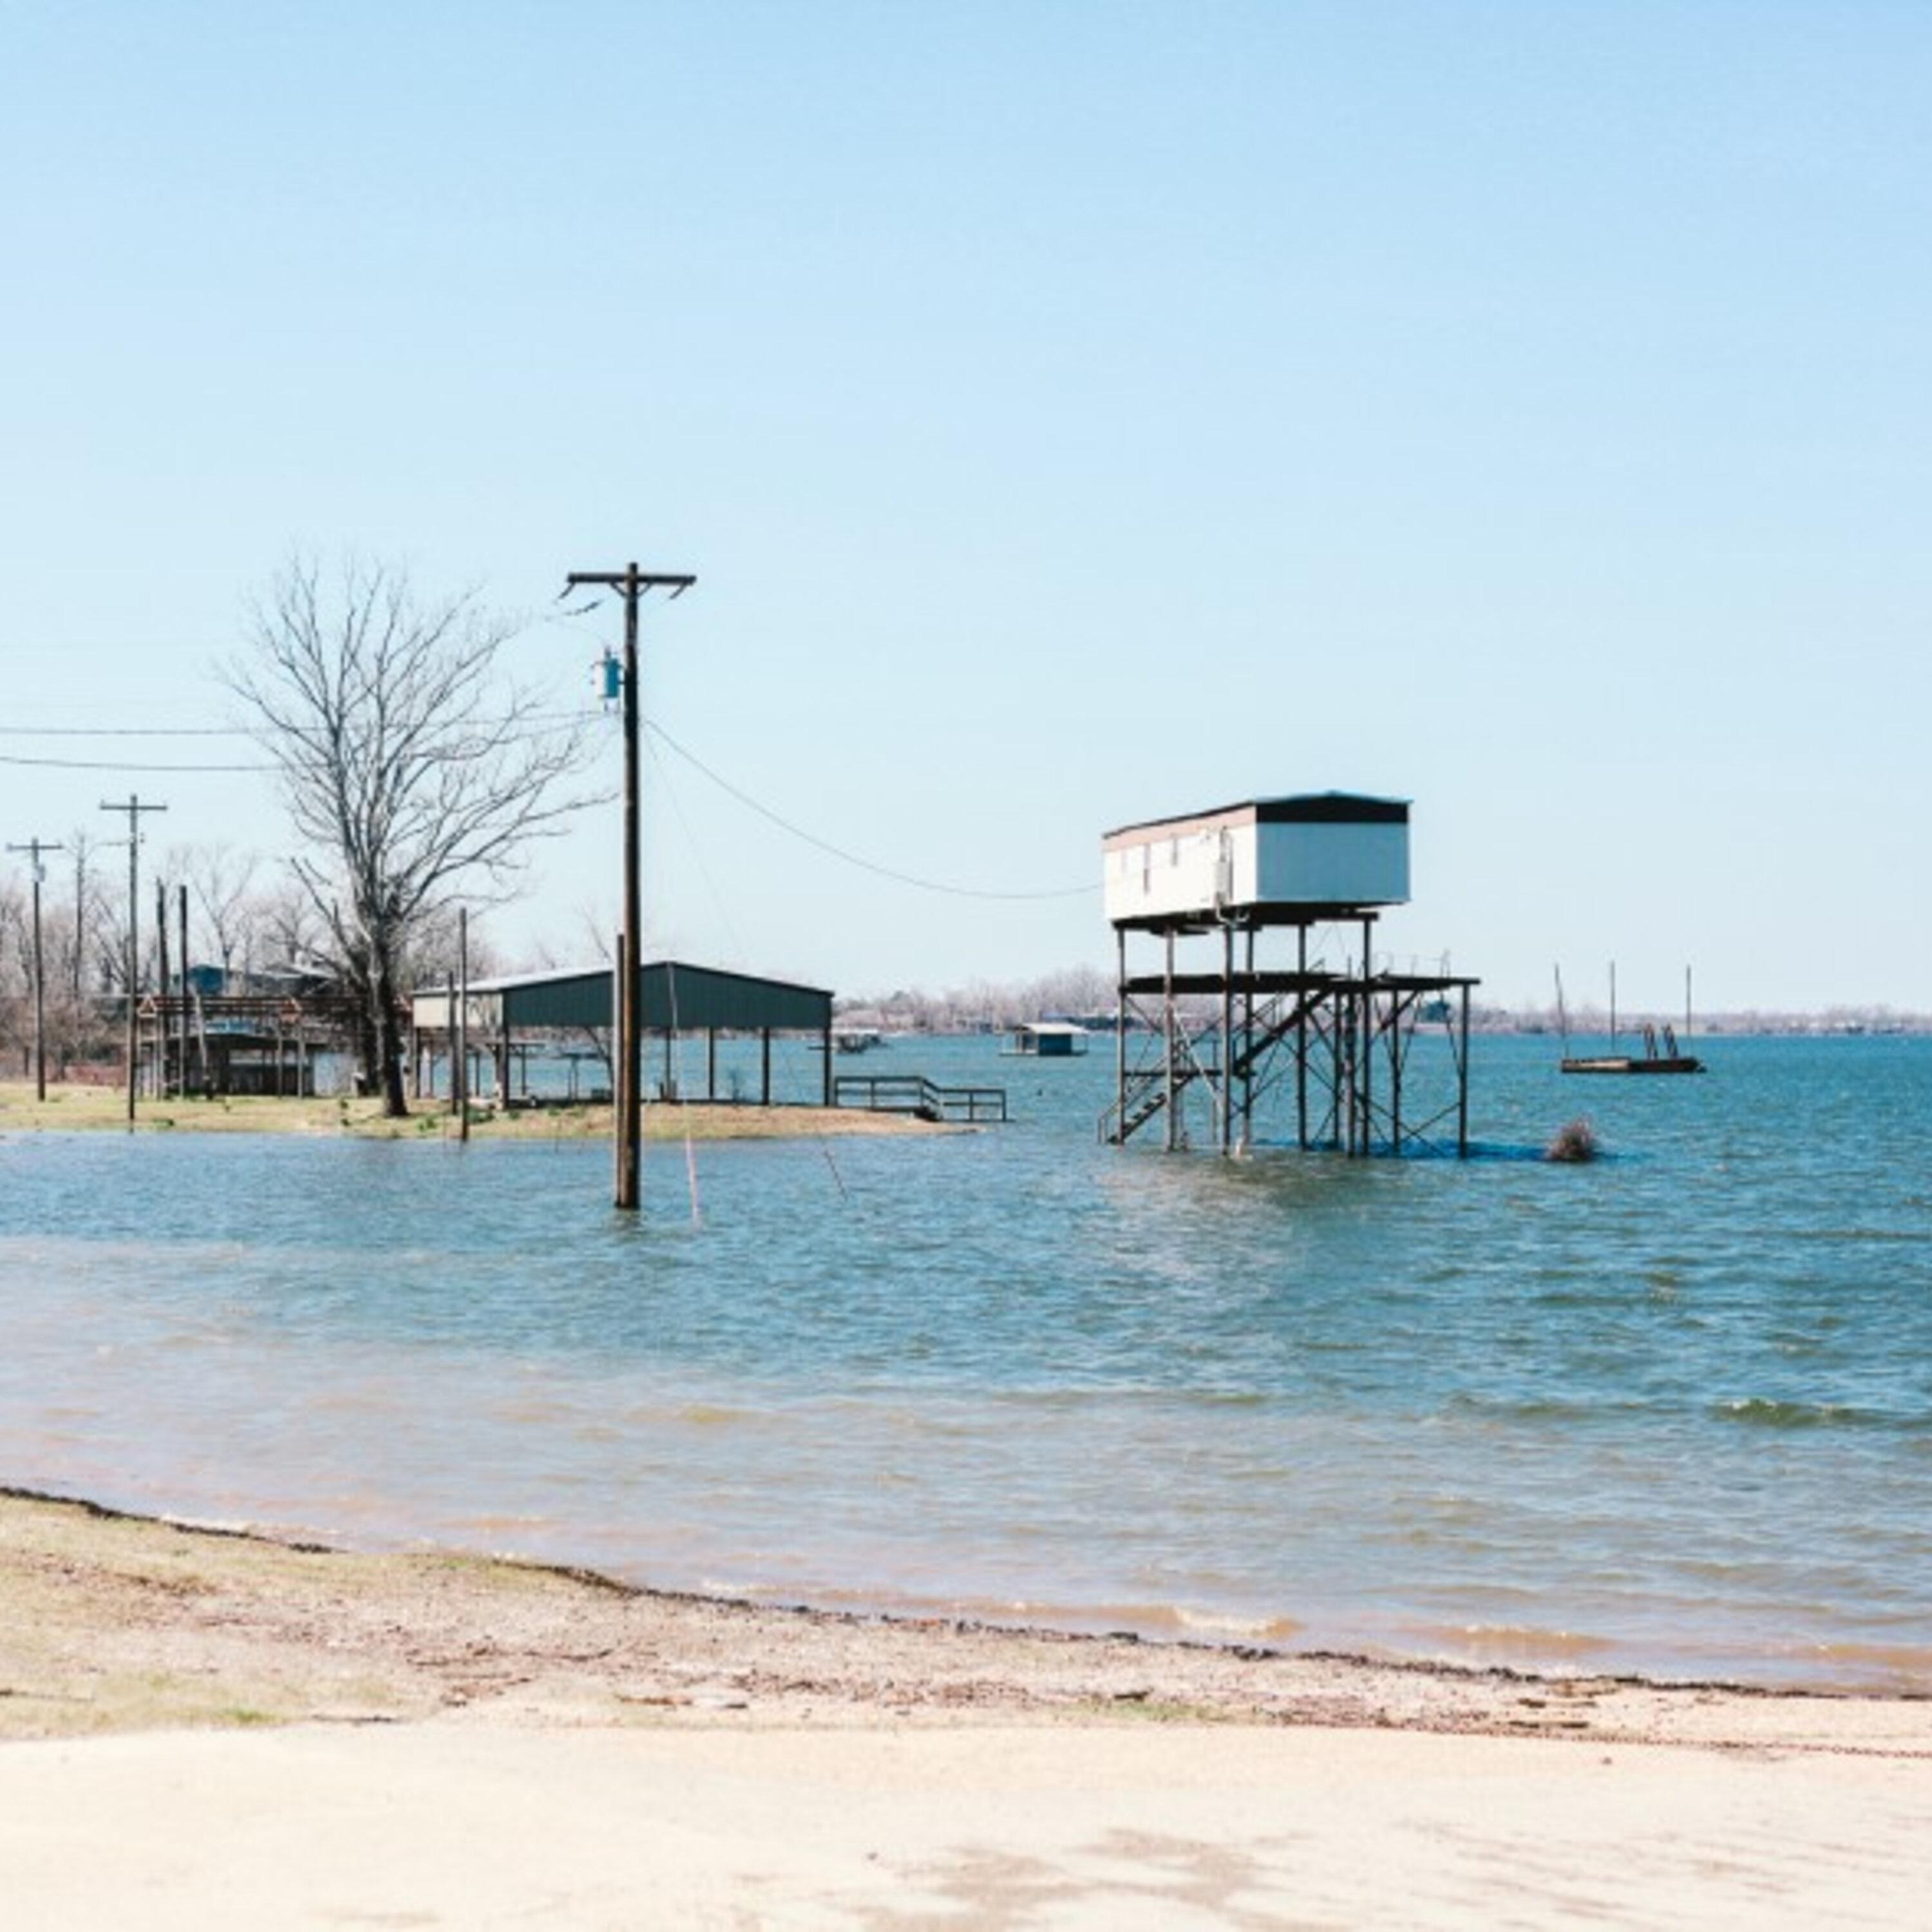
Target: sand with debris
x,y
210,1728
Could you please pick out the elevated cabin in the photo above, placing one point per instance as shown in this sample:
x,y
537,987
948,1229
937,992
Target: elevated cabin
x,y
1048,1039
1228,1028
1313,856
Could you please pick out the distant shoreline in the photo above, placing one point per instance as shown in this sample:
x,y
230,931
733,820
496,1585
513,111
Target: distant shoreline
x,y
90,1109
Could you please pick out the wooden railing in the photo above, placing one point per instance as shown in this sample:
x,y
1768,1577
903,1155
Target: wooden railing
x,y
914,1093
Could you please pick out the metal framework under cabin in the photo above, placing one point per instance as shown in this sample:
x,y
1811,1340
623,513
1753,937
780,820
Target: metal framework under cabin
x,y
1224,1022
678,1001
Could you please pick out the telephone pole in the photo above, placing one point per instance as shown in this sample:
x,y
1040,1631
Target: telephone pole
x,y
632,583
35,847
133,808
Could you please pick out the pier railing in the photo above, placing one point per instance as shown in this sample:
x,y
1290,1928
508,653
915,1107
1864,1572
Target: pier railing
x,y
914,1093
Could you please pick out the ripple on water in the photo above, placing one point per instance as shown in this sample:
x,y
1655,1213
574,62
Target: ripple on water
x,y
1501,1404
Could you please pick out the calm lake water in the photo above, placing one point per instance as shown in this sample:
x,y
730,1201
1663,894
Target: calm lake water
x,y
1671,1411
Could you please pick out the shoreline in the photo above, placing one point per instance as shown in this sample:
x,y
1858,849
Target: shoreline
x,y
86,1109
201,1727
112,1620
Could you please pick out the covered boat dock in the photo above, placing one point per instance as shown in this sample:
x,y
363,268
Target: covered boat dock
x,y
509,1019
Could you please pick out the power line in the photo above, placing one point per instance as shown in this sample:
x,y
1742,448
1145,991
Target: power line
x,y
531,717
122,731
538,719
121,765
838,852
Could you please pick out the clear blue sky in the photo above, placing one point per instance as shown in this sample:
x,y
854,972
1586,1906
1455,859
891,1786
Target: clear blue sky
x,y
1074,413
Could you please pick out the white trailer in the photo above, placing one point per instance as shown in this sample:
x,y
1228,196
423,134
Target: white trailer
x,y
1263,861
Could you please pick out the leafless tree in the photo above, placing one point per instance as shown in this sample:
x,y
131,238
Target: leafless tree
x,y
411,770
287,929
15,974
221,880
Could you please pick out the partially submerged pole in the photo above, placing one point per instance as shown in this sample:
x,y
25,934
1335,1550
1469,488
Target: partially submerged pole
x,y
632,583
1462,1083
462,1022
187,1018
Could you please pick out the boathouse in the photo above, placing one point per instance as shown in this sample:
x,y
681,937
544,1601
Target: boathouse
x,y
508,1018
1047,1039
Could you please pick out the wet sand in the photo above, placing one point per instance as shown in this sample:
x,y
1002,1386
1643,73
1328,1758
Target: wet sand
x,y
209,1729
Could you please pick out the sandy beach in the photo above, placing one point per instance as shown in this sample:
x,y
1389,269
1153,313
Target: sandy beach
x,y
206,1728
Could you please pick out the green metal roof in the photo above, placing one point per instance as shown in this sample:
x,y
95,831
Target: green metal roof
x,y
683,997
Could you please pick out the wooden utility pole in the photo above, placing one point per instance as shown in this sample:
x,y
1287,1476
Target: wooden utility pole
x,y
186,998
460,1058
161,1025
133,808
34,847
632,583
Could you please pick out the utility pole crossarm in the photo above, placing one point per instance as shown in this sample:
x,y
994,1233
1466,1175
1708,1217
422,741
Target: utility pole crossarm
x,y
675,583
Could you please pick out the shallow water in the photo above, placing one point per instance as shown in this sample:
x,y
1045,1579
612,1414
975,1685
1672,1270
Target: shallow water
x,y
1669,1412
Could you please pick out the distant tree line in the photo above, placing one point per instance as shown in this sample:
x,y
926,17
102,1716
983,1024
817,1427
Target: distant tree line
x,y
414,776
252,920
1073,992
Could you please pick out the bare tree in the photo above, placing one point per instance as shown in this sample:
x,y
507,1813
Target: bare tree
x,y
286,928
221,880
16,975
408,768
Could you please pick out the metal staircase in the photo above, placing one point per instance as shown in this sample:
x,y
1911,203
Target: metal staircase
x,y
1196,1056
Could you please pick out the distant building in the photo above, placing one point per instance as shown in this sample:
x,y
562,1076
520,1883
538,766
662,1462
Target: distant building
x,y
1048,1039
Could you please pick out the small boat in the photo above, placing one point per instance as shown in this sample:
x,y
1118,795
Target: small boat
x,y
1661,1053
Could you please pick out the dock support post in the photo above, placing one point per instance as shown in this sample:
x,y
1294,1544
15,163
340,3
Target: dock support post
x,y
1227,1081
1367,1056
1301,1037
1343,1086
1120,1036
1395,1074
765,1066
711,1063
1168,1031
1462,1083
825,1099
1248,1045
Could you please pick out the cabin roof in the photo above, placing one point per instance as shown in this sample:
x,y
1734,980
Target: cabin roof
x,y
1305,808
